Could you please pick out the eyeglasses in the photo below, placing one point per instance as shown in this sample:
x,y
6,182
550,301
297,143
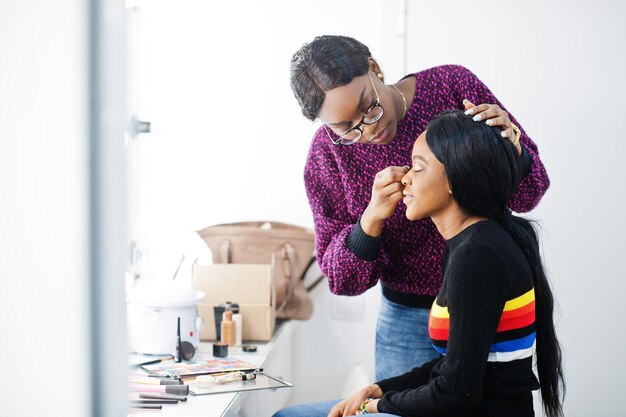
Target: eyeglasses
x,y
371,116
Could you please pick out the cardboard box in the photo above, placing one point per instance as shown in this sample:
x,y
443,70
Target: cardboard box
x,y
249,285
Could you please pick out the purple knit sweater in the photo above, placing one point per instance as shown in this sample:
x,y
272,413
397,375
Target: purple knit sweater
x,y
339,181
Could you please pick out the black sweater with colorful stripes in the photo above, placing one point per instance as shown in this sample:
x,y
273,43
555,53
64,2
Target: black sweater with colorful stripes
x,y
483,322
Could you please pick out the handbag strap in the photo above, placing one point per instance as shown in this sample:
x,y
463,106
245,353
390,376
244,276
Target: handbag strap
x,y
319,279
224,251
288,255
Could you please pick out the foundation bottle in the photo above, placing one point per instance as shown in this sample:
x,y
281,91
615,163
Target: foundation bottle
x,y
238,328
228,328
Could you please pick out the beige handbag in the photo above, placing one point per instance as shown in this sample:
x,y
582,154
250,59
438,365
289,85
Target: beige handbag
x,y
254,243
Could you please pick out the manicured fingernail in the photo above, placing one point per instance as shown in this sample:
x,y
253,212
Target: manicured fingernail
x,y
489,122
477,118
504,134
465,100
469,111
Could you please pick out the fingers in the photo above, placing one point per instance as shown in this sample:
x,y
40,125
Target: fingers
x,y
383,202
502,121
477,109
392,189
396,197
493,115
468,104
336,411
390,175
352,409
508,134
395,170
487,111
386,194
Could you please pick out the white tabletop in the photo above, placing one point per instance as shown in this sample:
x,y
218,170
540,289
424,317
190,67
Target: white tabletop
x,y
216,405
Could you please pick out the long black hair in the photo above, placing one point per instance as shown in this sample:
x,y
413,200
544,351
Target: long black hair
x,y
483,172
325,63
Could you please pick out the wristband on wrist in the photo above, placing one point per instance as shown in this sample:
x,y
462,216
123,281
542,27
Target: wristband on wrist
x,y
364,404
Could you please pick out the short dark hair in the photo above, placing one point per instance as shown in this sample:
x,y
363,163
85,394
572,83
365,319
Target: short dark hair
x,y
327,62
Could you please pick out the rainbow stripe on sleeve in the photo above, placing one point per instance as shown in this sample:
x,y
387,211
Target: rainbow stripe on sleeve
x,y
515,336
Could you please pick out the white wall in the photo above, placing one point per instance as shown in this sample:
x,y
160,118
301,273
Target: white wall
x,y
62,209
43,212
229,141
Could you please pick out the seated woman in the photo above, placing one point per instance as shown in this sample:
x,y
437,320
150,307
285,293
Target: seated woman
x,y
495,306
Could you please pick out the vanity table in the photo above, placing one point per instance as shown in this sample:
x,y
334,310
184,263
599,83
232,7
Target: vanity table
x,y
275,357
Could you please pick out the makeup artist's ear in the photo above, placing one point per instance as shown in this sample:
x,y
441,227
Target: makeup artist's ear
x,y
374,67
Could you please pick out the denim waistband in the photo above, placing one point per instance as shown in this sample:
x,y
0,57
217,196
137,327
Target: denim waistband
x,y
408,300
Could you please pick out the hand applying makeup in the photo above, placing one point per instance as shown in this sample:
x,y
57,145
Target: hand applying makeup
x,y
386,194
493,115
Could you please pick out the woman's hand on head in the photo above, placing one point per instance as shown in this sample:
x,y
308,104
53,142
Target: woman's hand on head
x,y
386,194
350,406
493,115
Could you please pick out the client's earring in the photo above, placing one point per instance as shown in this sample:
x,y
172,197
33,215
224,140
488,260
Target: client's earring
x,y
380,75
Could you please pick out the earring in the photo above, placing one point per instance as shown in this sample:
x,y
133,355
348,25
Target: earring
x,y
380,75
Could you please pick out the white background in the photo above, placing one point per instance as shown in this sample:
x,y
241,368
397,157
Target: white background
x,y
62,240
43,210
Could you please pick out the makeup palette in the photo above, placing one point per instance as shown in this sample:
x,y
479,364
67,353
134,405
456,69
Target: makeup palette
x,y
212,366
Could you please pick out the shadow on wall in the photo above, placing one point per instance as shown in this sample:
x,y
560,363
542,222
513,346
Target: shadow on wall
x,y
334,350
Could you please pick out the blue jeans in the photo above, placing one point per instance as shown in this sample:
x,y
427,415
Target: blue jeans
x,y
402,341
315,410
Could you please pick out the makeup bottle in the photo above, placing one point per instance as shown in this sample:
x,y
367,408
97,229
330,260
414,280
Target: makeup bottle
x,y
234,307
178,343
218,311
228,328
238,328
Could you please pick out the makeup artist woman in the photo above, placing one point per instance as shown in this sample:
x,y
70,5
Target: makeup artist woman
x,y
355,164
